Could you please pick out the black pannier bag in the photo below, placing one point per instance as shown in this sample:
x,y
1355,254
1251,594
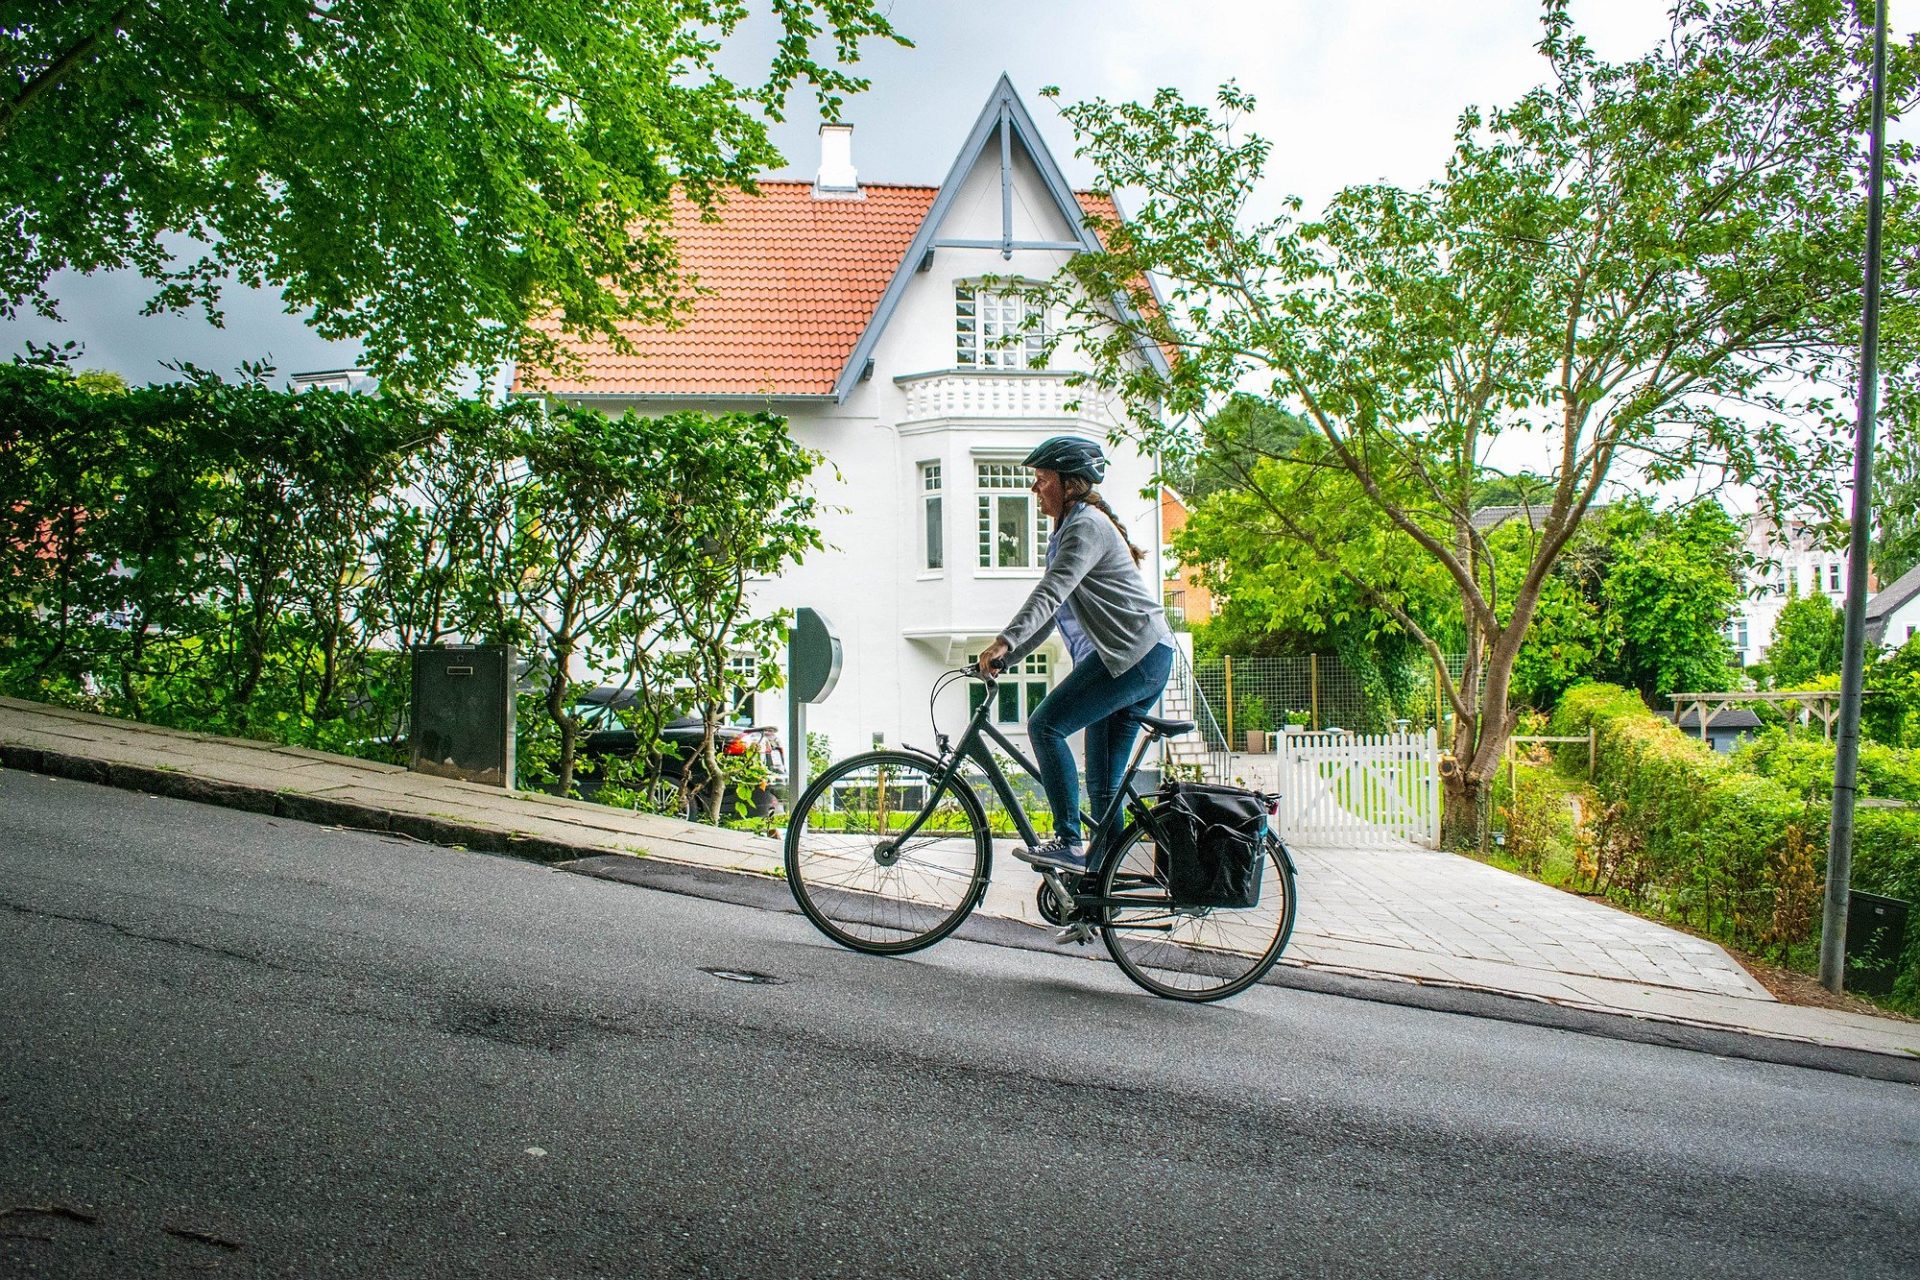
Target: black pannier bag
x,y
1212,840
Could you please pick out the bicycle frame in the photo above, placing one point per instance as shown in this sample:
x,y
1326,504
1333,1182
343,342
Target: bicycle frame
x,y
973,746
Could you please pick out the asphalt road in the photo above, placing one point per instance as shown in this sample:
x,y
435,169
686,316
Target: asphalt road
x,y
237,1045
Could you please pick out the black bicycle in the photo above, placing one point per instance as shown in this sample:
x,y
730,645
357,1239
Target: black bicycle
x,y
889,852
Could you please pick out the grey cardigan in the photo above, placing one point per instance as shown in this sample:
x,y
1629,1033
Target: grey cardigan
x,y
1093,569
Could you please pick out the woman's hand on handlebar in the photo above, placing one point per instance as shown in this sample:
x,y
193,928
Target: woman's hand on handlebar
x,y
992,656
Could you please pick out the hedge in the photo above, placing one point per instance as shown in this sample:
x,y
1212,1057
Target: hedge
x,y
1692,835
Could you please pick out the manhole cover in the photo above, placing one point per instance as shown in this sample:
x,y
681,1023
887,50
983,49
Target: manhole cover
x,y
744,975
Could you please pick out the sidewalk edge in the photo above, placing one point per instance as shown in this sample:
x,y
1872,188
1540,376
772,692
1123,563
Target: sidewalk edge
x,y
293,805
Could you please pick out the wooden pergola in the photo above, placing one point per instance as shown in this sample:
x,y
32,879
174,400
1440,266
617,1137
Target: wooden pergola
x,y
1823,705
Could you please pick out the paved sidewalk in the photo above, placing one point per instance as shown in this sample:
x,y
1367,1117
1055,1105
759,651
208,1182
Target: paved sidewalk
x,y
1401,913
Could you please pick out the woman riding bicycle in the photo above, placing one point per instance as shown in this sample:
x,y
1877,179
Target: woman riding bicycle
x,y
1114,629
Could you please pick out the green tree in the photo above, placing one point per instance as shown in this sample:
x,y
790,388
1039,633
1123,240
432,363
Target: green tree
x,y
1671,585
1806,642
1896,508
1653,265
737,511
1244,430
429,176
573,543
1892,714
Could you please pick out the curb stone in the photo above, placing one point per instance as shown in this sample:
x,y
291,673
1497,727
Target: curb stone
x,y
291,805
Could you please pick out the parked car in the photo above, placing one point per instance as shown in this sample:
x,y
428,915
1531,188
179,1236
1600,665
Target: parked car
x,y
607,736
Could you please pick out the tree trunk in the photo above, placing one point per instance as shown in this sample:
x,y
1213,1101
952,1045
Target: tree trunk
x,y
1463,813
557,710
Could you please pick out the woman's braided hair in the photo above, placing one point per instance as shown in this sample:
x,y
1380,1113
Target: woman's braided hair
x,y
1080,489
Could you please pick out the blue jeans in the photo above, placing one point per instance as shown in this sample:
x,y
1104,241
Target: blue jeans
x,y
1102,704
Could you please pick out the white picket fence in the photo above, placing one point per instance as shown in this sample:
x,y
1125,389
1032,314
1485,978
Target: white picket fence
x,y
1359,788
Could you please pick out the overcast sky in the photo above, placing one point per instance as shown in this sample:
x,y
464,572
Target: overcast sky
x,y
1348,93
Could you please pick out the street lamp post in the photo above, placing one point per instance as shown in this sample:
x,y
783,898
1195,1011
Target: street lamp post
x,y
1846,764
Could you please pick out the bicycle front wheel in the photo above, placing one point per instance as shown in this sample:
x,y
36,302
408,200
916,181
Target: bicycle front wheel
x,y
862,881
1191,953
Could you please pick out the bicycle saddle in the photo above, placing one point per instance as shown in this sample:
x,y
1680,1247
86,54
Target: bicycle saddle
x,y
1157,727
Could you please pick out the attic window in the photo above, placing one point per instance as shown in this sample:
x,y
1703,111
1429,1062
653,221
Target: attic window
x,y
984,328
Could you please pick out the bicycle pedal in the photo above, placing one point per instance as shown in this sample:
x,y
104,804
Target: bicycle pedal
x,y
1077,934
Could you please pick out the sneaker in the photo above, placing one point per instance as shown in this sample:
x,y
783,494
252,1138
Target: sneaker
x,y
1061,855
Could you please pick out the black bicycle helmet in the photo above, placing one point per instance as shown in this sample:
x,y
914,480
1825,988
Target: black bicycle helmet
x,y
1070,456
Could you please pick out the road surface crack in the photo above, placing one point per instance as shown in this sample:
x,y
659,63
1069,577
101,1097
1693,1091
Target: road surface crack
x,y
188,943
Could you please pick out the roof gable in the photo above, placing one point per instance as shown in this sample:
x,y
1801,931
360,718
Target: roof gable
x,y
1002,122
1894,594
1889,600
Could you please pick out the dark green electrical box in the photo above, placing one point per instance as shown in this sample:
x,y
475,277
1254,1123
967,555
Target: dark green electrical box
x,y
1876,935
463,713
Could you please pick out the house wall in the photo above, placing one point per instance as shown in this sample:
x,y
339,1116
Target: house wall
x,y
1182,588
1902,624
1786,561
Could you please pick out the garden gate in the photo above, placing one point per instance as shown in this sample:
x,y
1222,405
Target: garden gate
x,y
1359,788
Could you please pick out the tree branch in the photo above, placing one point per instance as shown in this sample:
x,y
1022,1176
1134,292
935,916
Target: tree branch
x,y
57,70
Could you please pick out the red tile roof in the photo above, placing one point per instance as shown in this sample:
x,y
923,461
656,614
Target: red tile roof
x,y
794,283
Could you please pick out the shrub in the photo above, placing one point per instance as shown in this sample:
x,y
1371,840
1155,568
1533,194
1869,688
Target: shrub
x,y
1682,831
1803,764
1737,846
1886,861
1536,816
229,558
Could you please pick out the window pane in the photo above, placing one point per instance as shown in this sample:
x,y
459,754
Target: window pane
x,y
966,340
936,558
1013,533
1036,690
976,694
1008,712
986,533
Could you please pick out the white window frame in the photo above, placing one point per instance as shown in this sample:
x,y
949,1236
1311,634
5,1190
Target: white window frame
x,y
933,528
982,318
746,701
997,482
1019,691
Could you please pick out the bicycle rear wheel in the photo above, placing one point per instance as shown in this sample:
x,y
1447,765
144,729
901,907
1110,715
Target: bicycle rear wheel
x,y
853,876
1191,953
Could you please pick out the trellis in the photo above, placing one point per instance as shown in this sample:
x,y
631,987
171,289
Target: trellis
x,y
1823,705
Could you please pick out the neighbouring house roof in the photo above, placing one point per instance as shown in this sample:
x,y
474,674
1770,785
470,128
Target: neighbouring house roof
x,y
1724,718
1485,518
1493,517
795,287
1889,598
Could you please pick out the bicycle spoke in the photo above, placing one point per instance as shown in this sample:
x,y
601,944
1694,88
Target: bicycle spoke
x,y
856,877
1190,953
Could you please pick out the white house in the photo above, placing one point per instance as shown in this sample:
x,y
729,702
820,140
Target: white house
x,y
1786,562
856,310
1893,613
